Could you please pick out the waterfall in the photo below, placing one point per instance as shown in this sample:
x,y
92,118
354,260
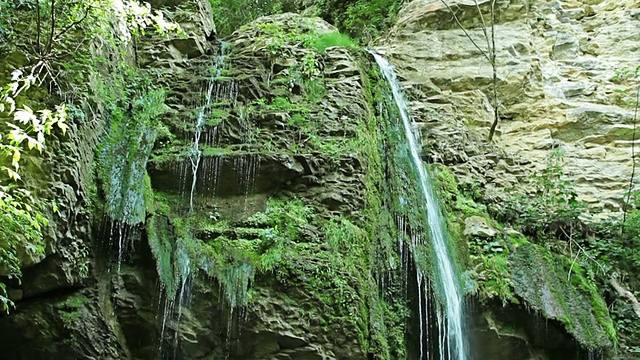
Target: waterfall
x,y
214,92
196,154
451,342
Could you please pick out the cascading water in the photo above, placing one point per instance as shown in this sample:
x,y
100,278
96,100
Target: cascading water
x,y
196,154
449,316
214,92
177,294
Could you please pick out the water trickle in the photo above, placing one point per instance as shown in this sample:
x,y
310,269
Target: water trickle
x,y
167,309
215,91
246,168
176,298
123,244
212,166
422,323
195,153
452,344
183,264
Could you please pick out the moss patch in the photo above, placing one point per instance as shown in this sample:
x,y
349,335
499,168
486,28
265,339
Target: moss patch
x,y
571,298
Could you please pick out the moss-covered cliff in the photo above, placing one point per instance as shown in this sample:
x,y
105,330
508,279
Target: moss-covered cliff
x,y
251,198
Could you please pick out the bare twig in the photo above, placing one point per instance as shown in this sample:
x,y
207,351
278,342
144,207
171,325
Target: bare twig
x,y
484,26
53,26
496,115
455,17
39,26
489,54
633,162
73,24
575,258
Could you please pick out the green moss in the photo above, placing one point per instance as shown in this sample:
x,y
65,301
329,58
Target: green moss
x,y
504,267
314,90
327,40
70,310
451,196
335,263
124,153
161,241
208,151
571,298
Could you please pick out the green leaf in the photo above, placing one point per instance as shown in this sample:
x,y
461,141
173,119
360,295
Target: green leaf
x,y
12,174
33,143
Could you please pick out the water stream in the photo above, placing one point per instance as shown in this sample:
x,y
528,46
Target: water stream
x,y
196,154
451,338
215,91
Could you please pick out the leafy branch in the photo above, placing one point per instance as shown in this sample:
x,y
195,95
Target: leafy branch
x,y
28,126
21,220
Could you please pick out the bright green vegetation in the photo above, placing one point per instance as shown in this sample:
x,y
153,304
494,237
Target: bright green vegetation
x,y
332,263
70,310
361,19
618,257
230,15
333,39
343,265
126,149
617,242
38,65
551,210
394,209
487,259
21,225
572,299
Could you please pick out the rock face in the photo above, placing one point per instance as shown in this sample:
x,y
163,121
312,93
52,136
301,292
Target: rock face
x,y
556,83
273,212
262,137
243,220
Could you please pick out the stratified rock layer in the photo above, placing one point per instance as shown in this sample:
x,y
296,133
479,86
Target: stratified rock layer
x,y
556,81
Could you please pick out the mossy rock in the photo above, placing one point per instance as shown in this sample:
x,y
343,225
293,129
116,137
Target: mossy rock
x,y
560,289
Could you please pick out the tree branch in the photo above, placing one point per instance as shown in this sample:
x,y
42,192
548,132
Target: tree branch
x,y
73,24
455,17
633,162
53,26
484,26
496,114
39,26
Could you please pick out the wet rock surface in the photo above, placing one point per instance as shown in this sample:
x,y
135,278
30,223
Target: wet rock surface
x,y
556,84
556,89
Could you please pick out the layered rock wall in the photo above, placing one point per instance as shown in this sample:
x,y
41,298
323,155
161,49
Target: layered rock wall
x,y
556,80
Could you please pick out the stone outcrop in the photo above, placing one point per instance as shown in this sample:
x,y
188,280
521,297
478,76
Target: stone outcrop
x,y
251,150
557,82
556,72
290,240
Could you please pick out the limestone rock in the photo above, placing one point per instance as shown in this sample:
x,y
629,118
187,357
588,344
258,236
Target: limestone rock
x,y
478,226
554,73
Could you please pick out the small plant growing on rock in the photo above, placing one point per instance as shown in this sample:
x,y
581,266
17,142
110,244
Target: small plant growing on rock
x,y
551,208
